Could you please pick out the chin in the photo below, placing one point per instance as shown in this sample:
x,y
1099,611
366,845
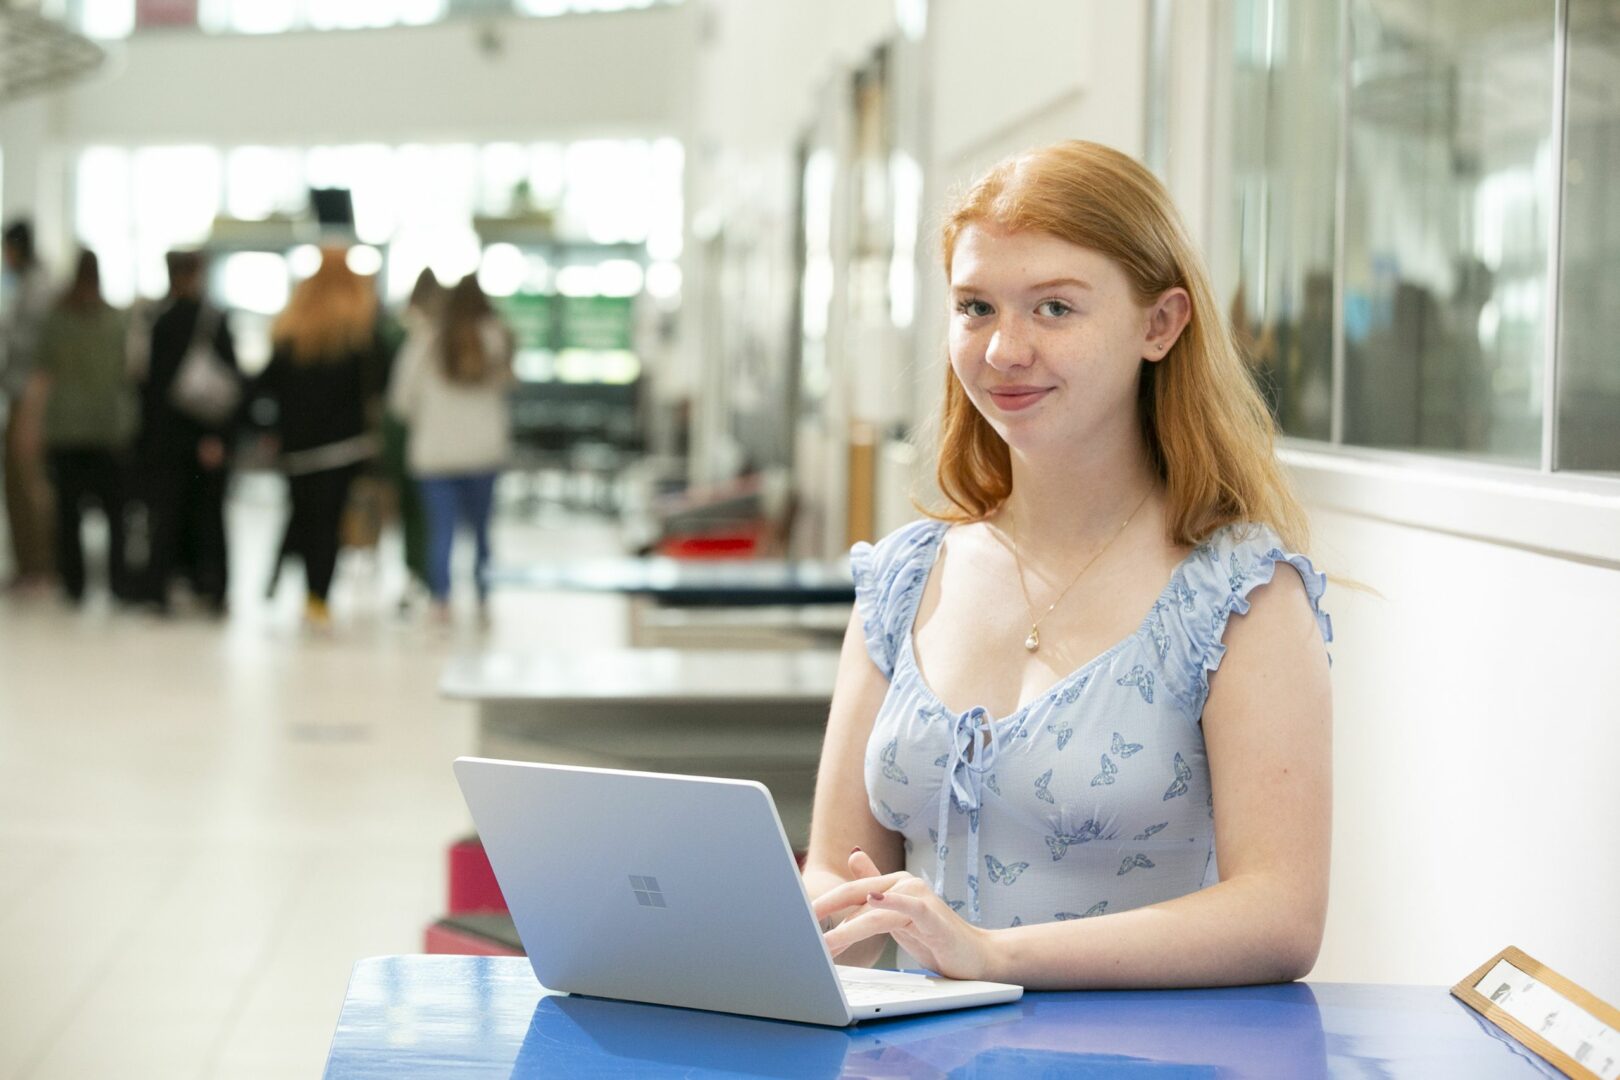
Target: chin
x,y
1024,435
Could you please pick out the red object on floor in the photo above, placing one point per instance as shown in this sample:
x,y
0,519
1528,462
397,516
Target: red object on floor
x,y
451,940
710,546
472,882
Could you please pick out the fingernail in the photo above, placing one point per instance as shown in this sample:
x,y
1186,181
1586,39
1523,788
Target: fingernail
x,y
854,850
875,897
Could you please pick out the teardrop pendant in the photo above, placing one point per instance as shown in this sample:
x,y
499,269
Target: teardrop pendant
x,y
1033,642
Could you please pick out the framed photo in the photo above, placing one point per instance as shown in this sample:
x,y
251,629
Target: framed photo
x,y
1567,1025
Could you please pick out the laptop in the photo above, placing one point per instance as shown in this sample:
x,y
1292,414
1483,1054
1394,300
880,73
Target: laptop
x,y
675,890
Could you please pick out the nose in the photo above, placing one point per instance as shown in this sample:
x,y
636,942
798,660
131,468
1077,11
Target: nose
x,y
1010,346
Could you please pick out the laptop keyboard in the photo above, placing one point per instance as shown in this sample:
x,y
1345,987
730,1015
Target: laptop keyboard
x,y
872,987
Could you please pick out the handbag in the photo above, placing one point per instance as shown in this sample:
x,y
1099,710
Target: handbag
x,y
205,388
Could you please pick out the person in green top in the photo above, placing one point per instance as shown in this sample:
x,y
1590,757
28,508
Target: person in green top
x,y
83,380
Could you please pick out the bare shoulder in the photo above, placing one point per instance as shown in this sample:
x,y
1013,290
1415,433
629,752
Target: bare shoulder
x,y
1279,632
1281,605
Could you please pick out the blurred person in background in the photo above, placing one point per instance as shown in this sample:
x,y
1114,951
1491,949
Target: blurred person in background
x,y
81,378
183,453
451,387
417,320
28,493
325,367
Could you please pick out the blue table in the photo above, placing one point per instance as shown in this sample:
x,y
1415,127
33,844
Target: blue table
x,y
436,1016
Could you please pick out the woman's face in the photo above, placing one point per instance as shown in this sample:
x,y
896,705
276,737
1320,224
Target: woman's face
x,y
1048,339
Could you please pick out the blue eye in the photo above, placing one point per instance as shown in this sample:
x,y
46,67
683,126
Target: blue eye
x,y
1053,308
973,309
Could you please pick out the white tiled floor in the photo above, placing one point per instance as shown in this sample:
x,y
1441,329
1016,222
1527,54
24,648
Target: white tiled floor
x,y
204,824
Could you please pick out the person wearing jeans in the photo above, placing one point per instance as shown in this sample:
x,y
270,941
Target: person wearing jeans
x,y
450,386
449,500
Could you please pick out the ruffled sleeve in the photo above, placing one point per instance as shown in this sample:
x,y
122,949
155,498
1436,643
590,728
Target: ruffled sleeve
x,y
1213,585
889,578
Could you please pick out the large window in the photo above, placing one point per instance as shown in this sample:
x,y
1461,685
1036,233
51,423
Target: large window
x,y
1400,169
543,225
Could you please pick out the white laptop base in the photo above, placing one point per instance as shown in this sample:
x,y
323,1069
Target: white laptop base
x,y
674,890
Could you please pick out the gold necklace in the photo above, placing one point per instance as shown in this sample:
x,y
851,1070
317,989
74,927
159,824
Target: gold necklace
x,y
1033,641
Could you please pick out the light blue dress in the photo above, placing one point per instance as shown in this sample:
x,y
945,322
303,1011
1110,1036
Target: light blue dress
x,y
1095,797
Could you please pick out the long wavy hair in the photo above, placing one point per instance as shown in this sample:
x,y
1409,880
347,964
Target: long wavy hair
x,y
332,313
463,355
1211,437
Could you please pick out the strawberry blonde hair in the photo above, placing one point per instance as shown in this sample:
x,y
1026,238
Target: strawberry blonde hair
x,y
331,314
1207,428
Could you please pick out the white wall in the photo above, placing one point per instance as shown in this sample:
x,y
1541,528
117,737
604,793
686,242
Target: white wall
x,y
1033,73
1477,743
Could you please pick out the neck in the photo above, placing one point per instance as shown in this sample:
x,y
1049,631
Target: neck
x,y
1080,501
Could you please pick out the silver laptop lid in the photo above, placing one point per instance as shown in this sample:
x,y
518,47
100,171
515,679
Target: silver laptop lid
x,y
676,890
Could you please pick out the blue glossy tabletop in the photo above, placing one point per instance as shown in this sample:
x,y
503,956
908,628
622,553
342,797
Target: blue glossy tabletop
x,y
422,1016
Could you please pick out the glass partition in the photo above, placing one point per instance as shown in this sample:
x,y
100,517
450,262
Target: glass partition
x,y
1284,169
1589,321
1413,227
1448,218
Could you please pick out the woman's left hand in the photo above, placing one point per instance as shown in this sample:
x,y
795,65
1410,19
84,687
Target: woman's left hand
x,y
902,905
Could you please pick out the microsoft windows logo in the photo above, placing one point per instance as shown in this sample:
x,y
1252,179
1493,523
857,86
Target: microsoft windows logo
x,y
647,894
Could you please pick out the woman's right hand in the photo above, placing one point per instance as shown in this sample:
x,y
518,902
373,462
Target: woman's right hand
x,y
867,952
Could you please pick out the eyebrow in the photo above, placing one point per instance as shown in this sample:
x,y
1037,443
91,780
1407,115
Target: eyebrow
x,y
970,287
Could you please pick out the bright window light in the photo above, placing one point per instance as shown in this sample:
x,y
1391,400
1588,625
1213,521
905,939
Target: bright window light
x,y
276,16
102,215
107,18
547,173
416,203
619,277
454,253
364,260
578,281
304,260
254,281
258,16
663,280
261,181
907,202
177,192
502,169
422,12
503,271
912,18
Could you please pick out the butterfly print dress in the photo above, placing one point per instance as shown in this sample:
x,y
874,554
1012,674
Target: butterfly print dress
x,y
1092,799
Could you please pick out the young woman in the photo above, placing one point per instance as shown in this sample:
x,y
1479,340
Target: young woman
x,y
325,368
1081,730
451,386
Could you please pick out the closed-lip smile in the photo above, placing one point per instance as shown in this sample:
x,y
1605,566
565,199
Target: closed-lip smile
x,y
1017,397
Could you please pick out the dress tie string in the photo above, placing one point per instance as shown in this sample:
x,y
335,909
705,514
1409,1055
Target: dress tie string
x,y
966,765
